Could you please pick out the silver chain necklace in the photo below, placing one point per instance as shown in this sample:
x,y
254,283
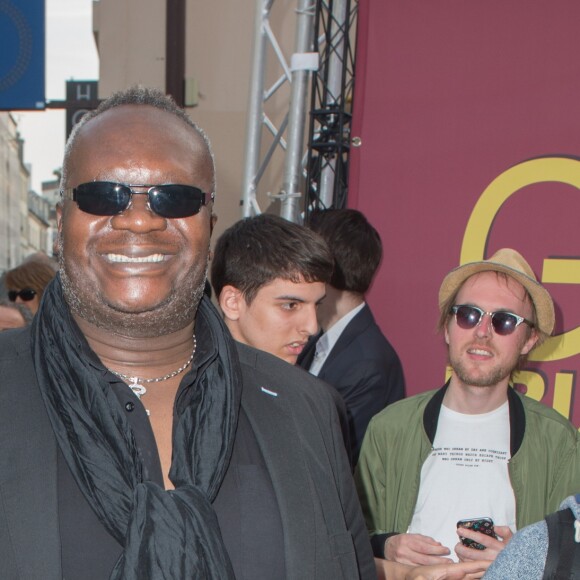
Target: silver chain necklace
x,y
137,385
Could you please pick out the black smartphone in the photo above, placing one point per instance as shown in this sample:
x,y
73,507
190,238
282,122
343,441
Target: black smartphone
x,y
483,525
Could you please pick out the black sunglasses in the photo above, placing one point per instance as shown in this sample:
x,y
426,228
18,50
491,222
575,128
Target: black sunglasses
x,y
503,323
170,200
26,294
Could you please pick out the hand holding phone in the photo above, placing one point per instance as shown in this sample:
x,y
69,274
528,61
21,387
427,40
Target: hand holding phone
x,y
482,525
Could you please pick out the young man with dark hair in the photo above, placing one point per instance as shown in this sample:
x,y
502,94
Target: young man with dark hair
x,y
352,354
269,277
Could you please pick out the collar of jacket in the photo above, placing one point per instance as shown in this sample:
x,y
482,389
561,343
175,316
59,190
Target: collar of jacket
x,y
517,417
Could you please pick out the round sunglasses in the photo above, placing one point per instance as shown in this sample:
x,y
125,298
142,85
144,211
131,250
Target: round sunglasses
x,y
26,294
502,322
170,200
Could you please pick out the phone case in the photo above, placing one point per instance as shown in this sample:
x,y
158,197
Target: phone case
x,y
482,525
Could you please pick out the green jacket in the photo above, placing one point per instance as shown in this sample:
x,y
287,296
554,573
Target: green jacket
x,y
544,468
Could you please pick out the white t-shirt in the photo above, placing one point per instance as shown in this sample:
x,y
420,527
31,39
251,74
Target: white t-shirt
x,y
466,475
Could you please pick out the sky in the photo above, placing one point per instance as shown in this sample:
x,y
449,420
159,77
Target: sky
x,y
71,54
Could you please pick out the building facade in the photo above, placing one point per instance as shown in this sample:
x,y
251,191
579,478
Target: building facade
x,y
218,62
14,180
39,225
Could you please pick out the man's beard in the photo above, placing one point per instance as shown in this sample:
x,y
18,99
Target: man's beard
x,y
494,375
170,316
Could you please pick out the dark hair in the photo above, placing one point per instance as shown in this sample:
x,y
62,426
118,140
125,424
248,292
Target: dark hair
x,y
257,250
355,245
137,95
35,274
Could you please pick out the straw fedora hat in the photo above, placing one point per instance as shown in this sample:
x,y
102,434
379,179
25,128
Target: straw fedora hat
x,y
514,265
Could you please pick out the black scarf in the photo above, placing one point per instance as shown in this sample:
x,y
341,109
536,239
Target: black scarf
x,y
166,534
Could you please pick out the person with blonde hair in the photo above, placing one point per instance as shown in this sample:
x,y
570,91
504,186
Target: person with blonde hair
x,y
439,469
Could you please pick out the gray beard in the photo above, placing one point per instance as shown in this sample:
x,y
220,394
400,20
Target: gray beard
x,y
173,315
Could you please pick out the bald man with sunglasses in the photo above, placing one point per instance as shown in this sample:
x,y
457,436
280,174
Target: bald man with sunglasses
x,y
474,449
138,441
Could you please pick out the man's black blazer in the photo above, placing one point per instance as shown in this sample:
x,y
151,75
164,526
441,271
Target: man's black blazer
x,y
296,426
365,369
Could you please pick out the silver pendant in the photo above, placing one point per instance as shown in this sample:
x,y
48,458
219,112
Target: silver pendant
x,y
137,387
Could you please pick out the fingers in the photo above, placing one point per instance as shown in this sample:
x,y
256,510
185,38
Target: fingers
x,y
492,548
505,533
466,554
473,569
496,544
415,549
424,560
459,571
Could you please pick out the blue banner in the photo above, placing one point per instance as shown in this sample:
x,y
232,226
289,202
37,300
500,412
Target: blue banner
x,y
22,55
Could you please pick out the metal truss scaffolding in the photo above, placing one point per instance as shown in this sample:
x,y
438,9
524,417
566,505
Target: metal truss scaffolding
x,y
329,57
330,113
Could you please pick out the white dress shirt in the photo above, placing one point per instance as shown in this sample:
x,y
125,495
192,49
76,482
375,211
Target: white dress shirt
x,y
327,341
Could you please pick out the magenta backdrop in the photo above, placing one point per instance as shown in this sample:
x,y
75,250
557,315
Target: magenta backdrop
x,y
449,96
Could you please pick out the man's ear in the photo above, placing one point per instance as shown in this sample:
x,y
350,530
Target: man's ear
x,y
530,342
212,223
59,216
232,302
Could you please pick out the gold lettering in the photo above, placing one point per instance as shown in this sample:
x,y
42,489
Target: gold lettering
x,y
563,389
535,383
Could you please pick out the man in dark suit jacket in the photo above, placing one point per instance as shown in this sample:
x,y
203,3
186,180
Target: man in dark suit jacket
x,y
320,531
270,277
352,354
137,440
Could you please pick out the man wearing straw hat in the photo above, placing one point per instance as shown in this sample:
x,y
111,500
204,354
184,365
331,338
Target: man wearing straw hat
x,y
474,449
